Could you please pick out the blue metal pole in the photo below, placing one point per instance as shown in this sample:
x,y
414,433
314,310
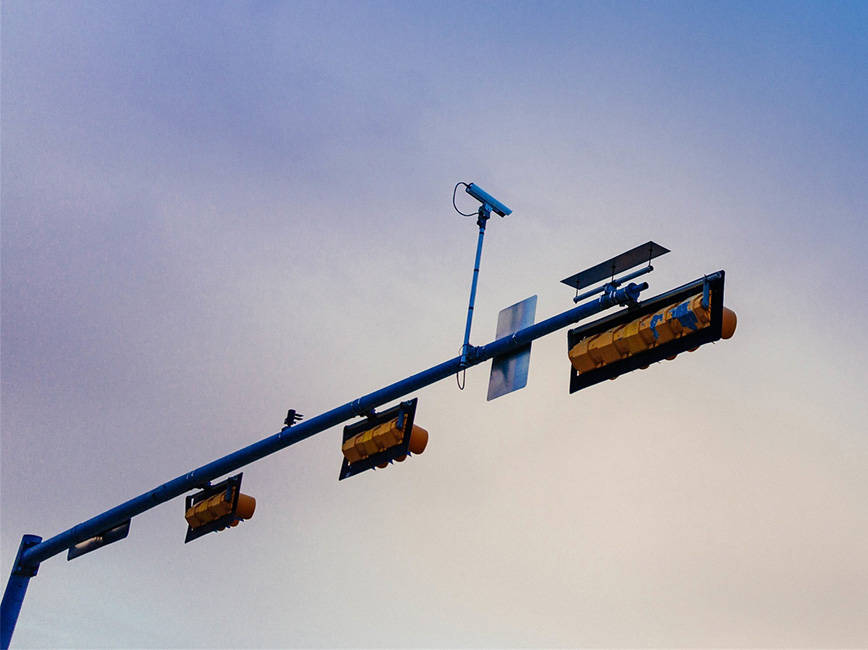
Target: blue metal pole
x,y
509,343
615,283
484,215
31,556
16,589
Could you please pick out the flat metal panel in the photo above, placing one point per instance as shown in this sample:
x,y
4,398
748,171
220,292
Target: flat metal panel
x,y
509,371
618,264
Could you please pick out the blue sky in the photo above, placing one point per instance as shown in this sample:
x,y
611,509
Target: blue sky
x,y
212,212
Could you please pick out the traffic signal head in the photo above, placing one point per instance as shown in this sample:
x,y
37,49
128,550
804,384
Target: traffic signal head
x,y
106,537
656,329
217,507
382,438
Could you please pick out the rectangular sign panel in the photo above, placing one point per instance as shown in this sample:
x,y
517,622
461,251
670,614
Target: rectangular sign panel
x,y
509,371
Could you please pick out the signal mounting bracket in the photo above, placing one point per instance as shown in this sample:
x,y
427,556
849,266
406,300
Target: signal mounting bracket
x,y
619,264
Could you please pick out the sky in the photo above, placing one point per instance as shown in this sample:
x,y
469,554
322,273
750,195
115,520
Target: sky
x,y
216,211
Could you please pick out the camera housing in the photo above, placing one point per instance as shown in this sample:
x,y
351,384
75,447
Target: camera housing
x,y
486,199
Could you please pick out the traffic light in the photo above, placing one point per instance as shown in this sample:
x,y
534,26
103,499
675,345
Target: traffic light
x,y
217,507
106,537
656,329
382,438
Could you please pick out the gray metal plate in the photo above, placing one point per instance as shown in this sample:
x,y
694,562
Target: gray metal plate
x,y
509,371
618,264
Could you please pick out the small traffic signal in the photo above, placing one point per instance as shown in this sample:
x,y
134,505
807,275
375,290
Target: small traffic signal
x,y
110,536
382,438
656,329
217,507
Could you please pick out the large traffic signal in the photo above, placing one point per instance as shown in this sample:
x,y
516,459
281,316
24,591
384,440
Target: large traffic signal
x,y
382,438
217,507
656,329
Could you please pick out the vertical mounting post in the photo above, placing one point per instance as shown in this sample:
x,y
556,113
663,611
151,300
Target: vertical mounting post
x,y
705,294
484,216
16,589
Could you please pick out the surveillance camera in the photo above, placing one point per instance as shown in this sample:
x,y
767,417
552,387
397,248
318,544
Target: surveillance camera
x,y
486,199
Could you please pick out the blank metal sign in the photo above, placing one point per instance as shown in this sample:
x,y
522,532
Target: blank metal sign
x,y
509,371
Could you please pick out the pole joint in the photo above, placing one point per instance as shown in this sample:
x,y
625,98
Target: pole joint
x,y
21,568
484,214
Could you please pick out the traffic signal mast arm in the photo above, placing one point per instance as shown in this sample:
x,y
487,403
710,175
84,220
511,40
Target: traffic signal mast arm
x,y
33,550
217,506
30,558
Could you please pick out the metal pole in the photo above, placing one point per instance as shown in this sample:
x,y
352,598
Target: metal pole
x,y
614,283
16,589
484,215
32,555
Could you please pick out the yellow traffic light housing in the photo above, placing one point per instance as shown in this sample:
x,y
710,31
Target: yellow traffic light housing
x,y
217,507
656,329
382,438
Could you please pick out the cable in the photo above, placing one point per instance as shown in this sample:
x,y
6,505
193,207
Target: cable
x,y
454,191
461,378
